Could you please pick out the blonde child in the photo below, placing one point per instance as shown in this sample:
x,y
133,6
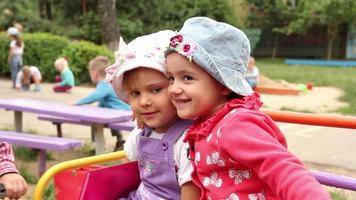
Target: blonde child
x,y
27,76
15,185
252,74
65,81
138,77
14,58
238,152
104,92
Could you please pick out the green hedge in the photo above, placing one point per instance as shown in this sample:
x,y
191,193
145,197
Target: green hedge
x,y
4,49
79,54
42,49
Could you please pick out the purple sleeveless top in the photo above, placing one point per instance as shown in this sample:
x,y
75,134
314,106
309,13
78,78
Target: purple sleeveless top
x,y
156,164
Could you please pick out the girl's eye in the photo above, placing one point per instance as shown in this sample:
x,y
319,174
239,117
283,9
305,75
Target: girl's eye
x,y
187,78
134,94
156,90
170,78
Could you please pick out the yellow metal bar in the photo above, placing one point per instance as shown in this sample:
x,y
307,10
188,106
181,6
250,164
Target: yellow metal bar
x,y
71,164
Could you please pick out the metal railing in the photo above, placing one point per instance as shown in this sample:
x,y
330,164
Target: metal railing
x,y
72,164
324,178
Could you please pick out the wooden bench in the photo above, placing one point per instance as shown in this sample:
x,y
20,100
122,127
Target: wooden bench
x,y
40,143
58,121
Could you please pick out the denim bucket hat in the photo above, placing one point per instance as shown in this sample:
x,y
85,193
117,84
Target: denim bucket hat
x,y
219,48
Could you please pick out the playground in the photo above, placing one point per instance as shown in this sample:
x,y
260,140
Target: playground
x,y
307,101
58,57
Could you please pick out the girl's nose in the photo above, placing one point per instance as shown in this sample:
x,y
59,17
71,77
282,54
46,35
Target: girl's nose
x,y
175,88
145,101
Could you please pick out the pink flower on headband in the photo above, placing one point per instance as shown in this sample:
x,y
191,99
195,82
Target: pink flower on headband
x,y
176,40
130,55
185,48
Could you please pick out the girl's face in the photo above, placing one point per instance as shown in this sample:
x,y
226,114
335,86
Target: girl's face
x,y
192,90
147,95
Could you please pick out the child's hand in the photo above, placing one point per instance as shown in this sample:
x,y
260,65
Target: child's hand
x,y
140,123
15,185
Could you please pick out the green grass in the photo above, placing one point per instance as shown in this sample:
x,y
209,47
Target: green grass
x,y
337,196
30,178
50,192
339,77
27,154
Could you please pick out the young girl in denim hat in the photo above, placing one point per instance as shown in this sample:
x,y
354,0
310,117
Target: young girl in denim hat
x,y
138,77
237,151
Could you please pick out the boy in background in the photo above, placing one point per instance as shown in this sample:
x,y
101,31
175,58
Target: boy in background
x,y
104,93
27,76
253,74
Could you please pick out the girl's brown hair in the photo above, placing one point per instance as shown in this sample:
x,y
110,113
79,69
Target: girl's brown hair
x,y
18,40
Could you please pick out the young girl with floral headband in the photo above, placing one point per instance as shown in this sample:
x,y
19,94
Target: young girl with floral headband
x,y
138,77
238,152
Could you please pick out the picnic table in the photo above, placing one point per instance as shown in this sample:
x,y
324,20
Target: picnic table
x,y
97,117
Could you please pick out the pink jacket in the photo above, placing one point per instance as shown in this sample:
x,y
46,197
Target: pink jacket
x,y
240,153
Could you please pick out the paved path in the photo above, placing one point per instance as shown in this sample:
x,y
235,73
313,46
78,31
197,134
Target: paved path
x,y
323,145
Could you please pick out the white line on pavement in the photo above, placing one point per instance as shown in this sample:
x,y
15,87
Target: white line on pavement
x,y
303,132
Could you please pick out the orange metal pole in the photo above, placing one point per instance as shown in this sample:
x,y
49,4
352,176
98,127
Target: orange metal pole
x,y
312,119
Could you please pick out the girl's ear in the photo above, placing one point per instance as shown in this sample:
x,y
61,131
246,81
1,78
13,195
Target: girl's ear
x,y
225,91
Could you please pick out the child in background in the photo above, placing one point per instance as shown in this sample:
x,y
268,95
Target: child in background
x,y
27,76
65,81
14,183
253,74
138,77
104,92
237,151
14,58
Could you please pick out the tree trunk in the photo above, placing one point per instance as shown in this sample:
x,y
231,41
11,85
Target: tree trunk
x,y
84,6
48,10
275,46
332,33
110,32
44,7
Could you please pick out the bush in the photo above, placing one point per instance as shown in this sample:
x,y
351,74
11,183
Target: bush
x,y
4,49
79,54
41,50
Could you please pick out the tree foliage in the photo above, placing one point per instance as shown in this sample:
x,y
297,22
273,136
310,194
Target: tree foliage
x,y
332,14
80,19
271,15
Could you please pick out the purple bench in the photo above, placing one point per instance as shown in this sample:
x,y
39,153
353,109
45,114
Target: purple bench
x,y
58,121
40,143
334,180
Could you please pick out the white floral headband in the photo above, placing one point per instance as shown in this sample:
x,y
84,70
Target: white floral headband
x,y
125,53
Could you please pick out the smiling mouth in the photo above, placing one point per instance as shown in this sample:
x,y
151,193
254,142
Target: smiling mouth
x,y
181,101
147,114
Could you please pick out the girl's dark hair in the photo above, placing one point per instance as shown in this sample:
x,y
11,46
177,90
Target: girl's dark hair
x,y
233,95
18,40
